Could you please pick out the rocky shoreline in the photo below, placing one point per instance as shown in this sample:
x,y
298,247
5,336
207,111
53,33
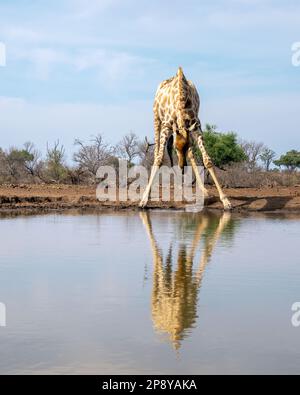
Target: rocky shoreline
x,y
44,198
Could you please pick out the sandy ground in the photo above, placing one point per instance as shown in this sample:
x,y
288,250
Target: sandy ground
x,y
63,197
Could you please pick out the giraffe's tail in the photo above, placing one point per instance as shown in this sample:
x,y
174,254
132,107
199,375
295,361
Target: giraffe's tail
x,y
181,81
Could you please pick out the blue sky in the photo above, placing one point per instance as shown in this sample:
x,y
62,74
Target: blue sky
x,y
76,68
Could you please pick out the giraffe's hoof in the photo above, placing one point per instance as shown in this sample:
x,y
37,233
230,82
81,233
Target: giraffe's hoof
x,y
206,194
142,204
226,203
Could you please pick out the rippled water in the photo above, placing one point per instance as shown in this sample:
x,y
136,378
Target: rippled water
x,y
157,292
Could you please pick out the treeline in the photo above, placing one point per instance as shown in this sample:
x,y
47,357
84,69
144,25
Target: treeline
x,y
239,163
27,165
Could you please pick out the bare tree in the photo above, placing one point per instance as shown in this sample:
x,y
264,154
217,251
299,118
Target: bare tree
x,y
267,157
90,157
146,153
128,148
33,165
253,151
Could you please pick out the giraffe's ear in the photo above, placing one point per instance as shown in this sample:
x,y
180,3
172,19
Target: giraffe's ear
x,y
193,127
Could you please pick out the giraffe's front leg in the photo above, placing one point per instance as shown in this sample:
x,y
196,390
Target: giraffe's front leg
x,y
209,166
157,163
146,194
196,171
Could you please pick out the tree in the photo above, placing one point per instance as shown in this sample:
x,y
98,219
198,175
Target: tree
x,y
290,160
2,166
15,162
90,157
267,157
128,148
56,169
33,164
20,164
146,153
222,147
253,151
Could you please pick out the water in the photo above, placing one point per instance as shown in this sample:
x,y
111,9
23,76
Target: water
x,y
163,292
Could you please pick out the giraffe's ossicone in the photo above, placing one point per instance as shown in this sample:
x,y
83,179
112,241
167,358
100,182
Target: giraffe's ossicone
x,y
176,108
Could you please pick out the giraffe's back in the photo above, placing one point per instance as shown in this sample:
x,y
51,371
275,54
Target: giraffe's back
x,y
166,100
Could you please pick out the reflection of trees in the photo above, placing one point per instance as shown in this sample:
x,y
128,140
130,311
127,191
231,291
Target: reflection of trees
x,y
175,288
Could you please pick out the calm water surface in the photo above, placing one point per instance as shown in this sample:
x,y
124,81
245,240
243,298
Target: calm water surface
x,y
157,292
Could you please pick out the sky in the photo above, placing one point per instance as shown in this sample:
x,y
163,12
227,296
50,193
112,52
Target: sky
x,y
75,68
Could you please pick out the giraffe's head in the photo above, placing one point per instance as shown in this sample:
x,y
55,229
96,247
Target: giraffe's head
x,y
181,145
182,141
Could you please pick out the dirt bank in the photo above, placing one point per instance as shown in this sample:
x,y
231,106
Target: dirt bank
x,y
63,197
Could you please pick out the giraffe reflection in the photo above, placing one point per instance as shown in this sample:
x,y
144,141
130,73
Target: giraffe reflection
x,y
175,288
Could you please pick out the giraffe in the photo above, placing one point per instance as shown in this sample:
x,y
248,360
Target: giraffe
x,y
175,290
176,108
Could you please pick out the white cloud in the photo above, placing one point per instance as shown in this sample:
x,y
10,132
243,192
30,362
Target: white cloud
x,y
122,29
110,66
22,34
81,9
197,25
44,60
